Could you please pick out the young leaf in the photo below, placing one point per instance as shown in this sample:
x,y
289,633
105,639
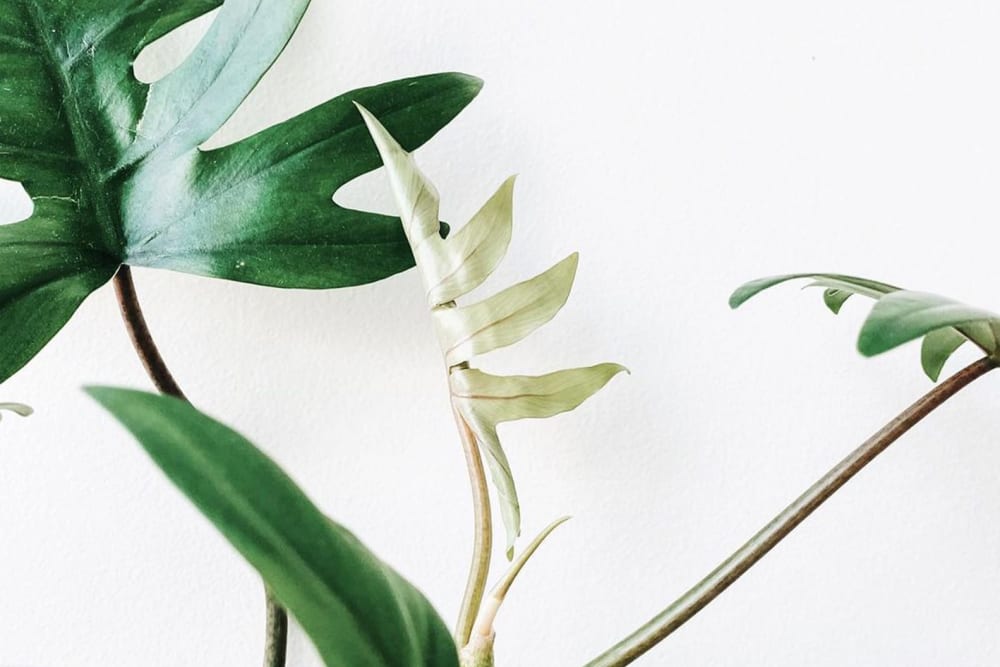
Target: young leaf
x,y
451,268
117,176
355,608
894,319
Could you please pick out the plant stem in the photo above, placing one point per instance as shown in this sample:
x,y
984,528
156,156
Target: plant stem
x,y
142,339
691,602
482,547
276,636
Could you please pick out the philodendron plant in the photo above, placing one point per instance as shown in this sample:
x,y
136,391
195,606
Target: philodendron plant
x,y
118,178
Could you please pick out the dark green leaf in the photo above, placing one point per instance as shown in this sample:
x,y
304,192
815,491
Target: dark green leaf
x,y
356,609
116,173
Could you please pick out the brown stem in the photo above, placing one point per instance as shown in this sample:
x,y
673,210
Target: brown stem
x,y
482,548
276,636
746,556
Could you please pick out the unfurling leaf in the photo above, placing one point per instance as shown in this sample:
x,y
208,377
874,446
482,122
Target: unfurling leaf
x,y
454,266
898,317
355,608
479,650
117,175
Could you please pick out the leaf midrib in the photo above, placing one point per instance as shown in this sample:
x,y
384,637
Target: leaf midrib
x,y
84,148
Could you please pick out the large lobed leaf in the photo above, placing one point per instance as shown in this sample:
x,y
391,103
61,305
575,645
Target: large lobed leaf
x,y
899,316
452,267
356,609
117,176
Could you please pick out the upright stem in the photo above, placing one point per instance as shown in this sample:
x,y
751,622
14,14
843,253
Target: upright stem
x,y
746,556
482,548
276,636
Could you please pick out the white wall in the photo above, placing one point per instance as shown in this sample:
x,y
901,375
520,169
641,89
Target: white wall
x,y
682,148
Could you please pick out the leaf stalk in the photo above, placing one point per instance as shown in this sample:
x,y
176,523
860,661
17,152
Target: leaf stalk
x,y
276,624
482,546
694,600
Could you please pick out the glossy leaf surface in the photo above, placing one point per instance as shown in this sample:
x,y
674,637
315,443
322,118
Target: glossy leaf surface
x,y
355,608
451,268
117,175
898,317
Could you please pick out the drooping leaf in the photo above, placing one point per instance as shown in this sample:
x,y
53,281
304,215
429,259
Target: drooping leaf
x,y
937,348
881,326
833,281
454,266
904,316
354,607
117,176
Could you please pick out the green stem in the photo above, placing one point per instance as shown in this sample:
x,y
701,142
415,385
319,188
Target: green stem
x,y
276,636
482,547
693,601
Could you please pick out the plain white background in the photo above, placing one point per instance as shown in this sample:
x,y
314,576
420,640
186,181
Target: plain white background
x,y
682,148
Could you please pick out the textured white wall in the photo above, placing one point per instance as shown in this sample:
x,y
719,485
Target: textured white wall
x,y
682,148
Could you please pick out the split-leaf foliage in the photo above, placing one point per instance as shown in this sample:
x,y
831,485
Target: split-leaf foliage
x,y
899,316
116,173
451,267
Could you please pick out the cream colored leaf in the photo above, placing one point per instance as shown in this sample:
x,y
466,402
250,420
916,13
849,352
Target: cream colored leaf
x,y
506,317
473,252
452,268
500,472
486,400
417,199
498,399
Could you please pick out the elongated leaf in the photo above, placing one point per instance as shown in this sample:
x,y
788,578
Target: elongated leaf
x,y
117,176
838,288
477,248
454,266
904,316
355,608
496,399
506,317
834,281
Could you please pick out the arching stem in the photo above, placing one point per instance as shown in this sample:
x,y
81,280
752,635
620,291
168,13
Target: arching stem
x,y
746,556
276,630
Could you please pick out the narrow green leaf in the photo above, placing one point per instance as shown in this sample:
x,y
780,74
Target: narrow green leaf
x,y
356,609
506,317
835,281
937,348
904,316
